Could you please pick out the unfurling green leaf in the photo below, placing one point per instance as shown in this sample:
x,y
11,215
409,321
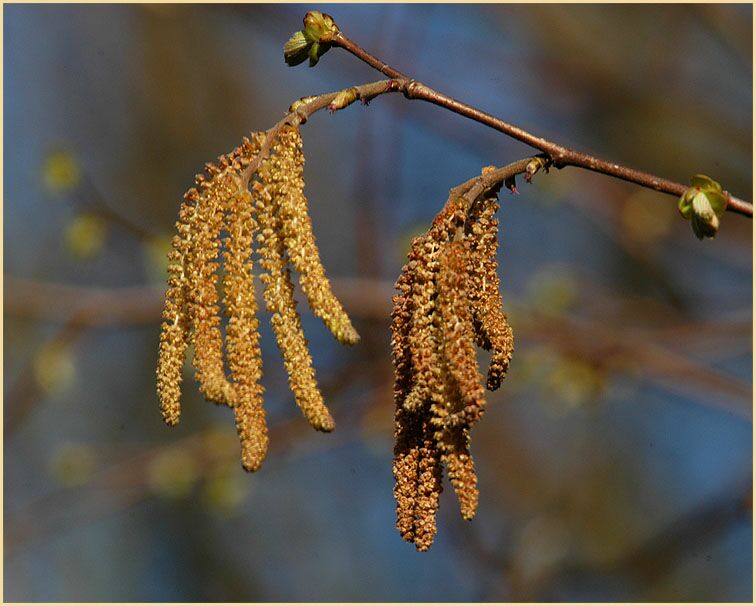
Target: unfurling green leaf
x,y
315,53
313,41
296,49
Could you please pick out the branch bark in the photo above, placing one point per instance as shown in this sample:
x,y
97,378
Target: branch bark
x,y
560,155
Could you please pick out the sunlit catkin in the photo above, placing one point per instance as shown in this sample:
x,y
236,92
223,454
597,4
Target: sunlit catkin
x,y
174,335
222,215
299,240
457,330
279,299
242,334
203,266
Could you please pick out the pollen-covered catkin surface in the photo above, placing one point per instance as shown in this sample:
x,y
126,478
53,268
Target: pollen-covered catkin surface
x,y
242,334
226,213
279,299
204,308
493,329
448,301
299,240
174,335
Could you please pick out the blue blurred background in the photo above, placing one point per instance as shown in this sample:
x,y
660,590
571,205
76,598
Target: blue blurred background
x,y
615,462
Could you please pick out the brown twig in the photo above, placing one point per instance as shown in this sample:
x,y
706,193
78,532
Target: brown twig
x,y
560,156
300,115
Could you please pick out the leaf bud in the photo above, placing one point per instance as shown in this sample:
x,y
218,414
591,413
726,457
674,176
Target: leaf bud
x,y
343,99
319,27
534,166
703,203
313,41
300,102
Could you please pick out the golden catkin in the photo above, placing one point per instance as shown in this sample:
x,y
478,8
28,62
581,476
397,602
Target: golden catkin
x,y
204,308
174,334
299,240
421,344
242,334
279,299
274,215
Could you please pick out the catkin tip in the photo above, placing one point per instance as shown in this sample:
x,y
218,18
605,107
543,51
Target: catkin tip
x,y
171,420
325,425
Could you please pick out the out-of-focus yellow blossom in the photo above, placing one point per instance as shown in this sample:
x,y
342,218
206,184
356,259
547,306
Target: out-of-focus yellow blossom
x,y
60,171
85,236
553,290
172,473
224,493
54,367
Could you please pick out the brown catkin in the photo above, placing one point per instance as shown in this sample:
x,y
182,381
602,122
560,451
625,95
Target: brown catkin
x,y
457,329
409,440
401,317
448,301
428,490
492,323
460,467
299,240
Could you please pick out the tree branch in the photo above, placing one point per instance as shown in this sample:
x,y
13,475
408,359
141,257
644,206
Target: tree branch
x,y
300,111
561,156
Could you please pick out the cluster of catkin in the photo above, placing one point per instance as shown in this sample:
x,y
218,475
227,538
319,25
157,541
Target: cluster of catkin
x,y
448,302
220,222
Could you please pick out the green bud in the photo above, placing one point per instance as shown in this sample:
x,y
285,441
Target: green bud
x,y
300,102
705,182
703,204
534,166
319,27
296,49
313,41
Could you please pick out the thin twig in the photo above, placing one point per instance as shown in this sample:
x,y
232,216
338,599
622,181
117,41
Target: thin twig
x,y
561,156
365,92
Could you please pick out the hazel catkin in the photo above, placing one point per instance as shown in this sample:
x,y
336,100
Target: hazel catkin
x,y
255,196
